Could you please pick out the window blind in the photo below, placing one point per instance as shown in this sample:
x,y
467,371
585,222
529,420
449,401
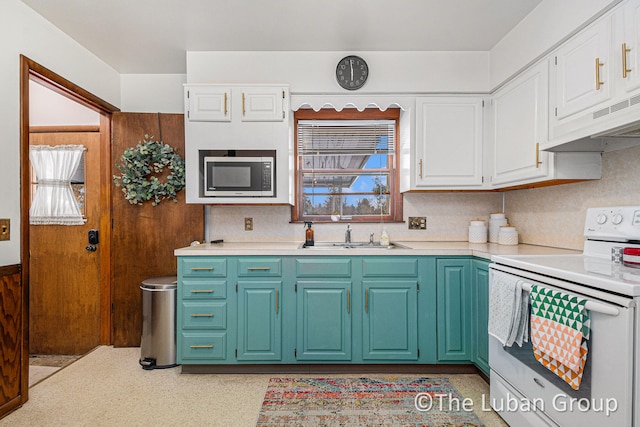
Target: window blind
x,y
346,137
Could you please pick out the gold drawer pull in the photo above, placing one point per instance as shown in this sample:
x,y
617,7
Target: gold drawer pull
x,y
348,301
598,82
202,315
202,291
277,301
258,268
366,299
625,69
201,268
202,346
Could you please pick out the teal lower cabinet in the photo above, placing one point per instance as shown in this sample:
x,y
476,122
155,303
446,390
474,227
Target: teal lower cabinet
x,y
260,320
454,310
480,297
390,320
323,320
375,309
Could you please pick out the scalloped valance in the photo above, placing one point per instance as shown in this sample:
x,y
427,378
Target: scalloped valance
x,y
339,102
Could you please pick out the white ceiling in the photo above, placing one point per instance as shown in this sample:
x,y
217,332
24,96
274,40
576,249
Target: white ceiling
x,y
152,36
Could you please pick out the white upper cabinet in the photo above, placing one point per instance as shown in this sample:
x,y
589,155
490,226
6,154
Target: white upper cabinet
x,y
595,80
245,117
519,126
262,104
448,145
583,71
628,40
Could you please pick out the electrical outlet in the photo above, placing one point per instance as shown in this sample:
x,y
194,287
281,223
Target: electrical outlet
x,y
417,223
4,229
248,224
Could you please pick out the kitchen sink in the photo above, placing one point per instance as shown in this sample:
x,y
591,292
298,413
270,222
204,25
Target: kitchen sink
x,y
351,245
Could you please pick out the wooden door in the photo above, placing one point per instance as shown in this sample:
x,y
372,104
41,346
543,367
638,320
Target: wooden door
x,y
145,236
454,319
259,320
64,293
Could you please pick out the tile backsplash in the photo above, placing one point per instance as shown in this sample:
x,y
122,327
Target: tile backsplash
x,y
547,216
554,216
448,216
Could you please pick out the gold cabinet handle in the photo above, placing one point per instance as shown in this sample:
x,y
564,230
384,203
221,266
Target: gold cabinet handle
x,y
202,346
225,103
366,301
258,268
202,315
598,82
277,301
538,162
625,70
243,109
202,291
420,166
348,301
201,268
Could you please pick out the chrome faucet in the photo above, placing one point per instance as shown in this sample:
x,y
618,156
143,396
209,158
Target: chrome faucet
x,y
371,239
347,234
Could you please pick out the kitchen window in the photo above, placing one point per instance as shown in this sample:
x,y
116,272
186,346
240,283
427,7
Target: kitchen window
x,y
346,165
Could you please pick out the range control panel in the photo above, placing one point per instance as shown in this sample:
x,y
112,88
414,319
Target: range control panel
x,y
619,224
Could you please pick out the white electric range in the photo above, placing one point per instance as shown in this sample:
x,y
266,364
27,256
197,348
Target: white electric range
x,y
523,391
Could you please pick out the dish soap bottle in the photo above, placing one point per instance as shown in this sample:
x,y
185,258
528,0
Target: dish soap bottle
x,y
308,234
384,237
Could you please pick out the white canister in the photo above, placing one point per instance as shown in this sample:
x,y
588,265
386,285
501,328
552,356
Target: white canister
x,y
477,231
508,236
496,220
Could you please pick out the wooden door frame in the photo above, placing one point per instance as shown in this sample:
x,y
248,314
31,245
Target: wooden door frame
x,y
30,69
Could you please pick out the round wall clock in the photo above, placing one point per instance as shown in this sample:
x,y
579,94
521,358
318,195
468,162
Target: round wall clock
x,y
352,72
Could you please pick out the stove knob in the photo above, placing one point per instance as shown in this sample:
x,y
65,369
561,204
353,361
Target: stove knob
x,y
617,219
601,218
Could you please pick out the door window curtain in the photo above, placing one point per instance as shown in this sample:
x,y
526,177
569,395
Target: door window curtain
x,y
54,201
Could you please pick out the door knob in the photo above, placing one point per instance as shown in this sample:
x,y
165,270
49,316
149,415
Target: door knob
x,y
91,248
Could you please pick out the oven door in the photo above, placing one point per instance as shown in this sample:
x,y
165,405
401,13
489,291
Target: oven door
x,y
606,391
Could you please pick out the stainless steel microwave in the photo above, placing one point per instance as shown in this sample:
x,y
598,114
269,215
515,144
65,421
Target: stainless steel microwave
x,y
239,177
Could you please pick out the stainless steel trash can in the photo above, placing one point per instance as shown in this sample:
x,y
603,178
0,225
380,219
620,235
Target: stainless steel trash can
x,y
158,342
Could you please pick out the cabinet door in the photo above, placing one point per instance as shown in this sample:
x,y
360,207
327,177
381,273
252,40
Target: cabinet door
x,y
448,141
580,64
323,320
263,104
454,307
631,39
520,126
480,314
208,103
390,320
259,320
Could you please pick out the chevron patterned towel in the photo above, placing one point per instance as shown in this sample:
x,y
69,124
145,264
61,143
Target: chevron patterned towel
x,y
559,330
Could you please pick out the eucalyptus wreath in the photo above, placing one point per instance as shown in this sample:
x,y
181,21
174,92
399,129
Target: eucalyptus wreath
x,y
139,166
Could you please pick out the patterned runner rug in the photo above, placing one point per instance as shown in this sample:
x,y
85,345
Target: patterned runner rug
x,y
391,401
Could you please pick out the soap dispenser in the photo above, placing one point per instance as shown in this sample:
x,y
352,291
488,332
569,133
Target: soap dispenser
x,y
384,237
308,235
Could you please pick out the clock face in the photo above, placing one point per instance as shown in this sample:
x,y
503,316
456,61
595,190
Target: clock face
x,y
352,72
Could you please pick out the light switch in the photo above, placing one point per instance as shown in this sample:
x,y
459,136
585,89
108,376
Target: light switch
x,y
4,229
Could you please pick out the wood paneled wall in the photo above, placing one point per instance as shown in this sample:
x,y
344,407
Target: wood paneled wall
x,y
145,236
12,357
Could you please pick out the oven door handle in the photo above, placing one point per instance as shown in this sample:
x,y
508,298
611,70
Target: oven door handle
x,y
590,305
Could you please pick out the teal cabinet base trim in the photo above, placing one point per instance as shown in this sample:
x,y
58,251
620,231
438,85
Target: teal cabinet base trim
x,y
332,368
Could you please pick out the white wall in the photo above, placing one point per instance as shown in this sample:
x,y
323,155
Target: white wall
x,y
48,108
550,22
152,93
314,72
25,32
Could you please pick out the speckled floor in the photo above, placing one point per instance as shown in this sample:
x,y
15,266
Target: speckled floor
x,y
107,387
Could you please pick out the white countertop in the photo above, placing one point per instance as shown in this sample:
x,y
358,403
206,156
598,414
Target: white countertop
x,y
482,250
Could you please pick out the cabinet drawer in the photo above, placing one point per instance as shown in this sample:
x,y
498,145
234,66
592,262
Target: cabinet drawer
x,y
323,267
204,267
202,345
260,267
203,289
204,315
390,267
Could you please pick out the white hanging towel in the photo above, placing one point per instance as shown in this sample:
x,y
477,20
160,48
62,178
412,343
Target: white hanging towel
x,y
508,309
